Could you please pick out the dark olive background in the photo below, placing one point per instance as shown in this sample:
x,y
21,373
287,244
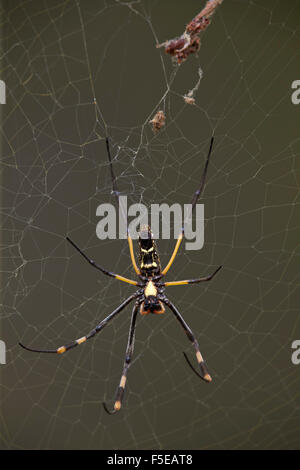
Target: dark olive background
x,y
57,57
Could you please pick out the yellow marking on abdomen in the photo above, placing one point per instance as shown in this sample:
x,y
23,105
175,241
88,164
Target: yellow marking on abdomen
x,y
149,265
147,251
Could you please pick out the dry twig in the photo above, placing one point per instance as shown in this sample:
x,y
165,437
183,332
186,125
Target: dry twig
x,y
189,42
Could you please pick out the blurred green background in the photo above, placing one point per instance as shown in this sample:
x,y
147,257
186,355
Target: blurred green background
x,y
76,71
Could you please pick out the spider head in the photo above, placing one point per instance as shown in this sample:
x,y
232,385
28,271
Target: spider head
x,y
151,304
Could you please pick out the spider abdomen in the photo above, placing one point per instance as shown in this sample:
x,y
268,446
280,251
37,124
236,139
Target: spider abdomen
x,y
149,259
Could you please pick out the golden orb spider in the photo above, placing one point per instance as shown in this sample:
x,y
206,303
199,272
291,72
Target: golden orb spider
x,y
150,296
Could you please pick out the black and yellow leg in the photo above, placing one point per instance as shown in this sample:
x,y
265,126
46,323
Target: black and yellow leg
x,y
191,281
104,271
83,339
117,194
195,198
128,357
201,364
135,266
178,243
200,189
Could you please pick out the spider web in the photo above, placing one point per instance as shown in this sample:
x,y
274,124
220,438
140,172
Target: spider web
x,y
75,72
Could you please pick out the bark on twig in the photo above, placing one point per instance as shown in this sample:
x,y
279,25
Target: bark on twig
x,y
189,42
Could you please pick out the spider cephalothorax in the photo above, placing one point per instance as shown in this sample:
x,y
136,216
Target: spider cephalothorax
x,y
149,297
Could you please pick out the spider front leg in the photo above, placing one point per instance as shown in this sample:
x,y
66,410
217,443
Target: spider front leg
x,y
91,334
128,357
202,366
